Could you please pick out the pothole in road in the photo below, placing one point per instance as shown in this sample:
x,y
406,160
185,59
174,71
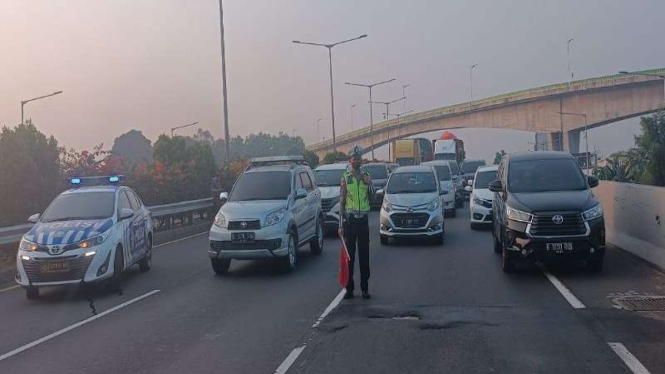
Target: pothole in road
x,y
408,316
452,325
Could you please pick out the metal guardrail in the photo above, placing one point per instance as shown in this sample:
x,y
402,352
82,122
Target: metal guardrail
x,y
164,216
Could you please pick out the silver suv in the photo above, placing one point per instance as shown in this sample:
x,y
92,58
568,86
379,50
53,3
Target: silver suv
x,y
272,210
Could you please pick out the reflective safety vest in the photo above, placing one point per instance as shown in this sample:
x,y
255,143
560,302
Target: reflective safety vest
x,y
357,193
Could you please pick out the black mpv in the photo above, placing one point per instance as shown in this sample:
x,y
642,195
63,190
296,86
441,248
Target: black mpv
x,y
543,207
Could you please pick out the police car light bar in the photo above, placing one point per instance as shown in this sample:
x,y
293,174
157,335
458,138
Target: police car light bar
x,y
95,181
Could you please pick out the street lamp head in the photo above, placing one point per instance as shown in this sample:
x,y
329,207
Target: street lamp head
x,y
362,36
57,92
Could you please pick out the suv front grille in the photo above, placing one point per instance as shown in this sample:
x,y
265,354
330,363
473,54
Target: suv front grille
x,y
543,225
410,220
77,269
245,225
327,204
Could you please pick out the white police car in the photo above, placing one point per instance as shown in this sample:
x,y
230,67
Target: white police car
x,y
90,233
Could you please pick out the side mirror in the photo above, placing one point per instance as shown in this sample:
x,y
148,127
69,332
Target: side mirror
x,y
593,181
468,189
126,213
496,186
34,218
380,192
301,193
224,197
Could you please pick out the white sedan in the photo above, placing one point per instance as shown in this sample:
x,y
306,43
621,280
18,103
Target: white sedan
x,y
481,197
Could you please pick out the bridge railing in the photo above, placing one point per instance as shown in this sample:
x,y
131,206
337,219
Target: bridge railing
x,y
165,217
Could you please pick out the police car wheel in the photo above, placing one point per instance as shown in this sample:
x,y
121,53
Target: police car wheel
x,y
32,293
291,259
220,266
118,266
316,244
146,262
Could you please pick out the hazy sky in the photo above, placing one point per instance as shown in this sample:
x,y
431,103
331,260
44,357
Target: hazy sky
x,y
155,64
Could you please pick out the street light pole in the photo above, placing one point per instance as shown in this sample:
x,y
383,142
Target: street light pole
x,y
371,116
398,115
404,86
570,73
352,107
318,137
387,104
224,93
471,80
181,127
23,102
332,97
586,135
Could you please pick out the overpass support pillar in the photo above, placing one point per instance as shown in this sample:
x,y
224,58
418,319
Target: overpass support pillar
x,y
572,141
542,142
556,141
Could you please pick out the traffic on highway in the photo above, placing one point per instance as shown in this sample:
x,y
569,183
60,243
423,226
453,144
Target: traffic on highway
x,y
227,186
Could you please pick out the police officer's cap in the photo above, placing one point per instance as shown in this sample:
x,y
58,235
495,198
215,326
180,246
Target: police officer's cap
x,y
356,151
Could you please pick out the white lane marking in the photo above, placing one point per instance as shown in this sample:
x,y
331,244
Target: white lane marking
x,y
631,361
290,359
9,288
74,326
181,239
330,307
563,290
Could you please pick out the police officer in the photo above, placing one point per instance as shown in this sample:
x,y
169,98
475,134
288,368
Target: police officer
x,y
354,222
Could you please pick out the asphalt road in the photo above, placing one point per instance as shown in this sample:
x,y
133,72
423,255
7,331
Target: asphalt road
x,y
435,309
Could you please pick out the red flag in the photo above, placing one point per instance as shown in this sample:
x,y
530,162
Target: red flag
x,y
343,277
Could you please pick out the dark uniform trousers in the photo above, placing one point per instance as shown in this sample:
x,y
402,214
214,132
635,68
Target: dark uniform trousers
x,y
357,231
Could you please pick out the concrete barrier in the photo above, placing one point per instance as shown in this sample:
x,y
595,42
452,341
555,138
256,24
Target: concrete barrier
x,y
635,218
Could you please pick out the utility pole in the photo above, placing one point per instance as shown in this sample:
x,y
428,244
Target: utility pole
x,y
224,93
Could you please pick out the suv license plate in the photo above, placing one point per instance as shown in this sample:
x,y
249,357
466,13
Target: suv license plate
x,y
560,247
242,237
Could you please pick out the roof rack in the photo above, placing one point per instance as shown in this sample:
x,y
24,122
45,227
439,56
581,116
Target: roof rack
x,y
276,160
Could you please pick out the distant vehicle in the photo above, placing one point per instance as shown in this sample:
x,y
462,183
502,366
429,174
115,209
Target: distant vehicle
x,y
459,184
448,147
328,179
447,185
406,152
468,172
392,167
543,207
426,149
89,233
379,173
272,210
412,205
480,201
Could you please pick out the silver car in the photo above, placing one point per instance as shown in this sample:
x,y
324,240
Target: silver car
x,y
447,185
272,210
328,179
412,205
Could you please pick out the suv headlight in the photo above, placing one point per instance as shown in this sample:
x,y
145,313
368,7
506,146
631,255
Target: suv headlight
x,y
274,218
593,213
433,205
96,240
27,245
387,206
220,220
518,215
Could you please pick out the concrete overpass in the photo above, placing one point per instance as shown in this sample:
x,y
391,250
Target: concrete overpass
x,y
604,100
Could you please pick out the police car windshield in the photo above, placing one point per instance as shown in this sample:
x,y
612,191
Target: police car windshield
x,y
327,178
377,171
80,206
265,185
418,182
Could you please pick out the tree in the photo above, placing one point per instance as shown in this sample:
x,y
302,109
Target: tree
x,y
133,147
331,158
498,156
311,158
30,169
650,146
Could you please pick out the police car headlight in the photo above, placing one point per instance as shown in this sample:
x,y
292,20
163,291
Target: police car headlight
x,y
220,220
91,242
433,205
274,218
27,245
